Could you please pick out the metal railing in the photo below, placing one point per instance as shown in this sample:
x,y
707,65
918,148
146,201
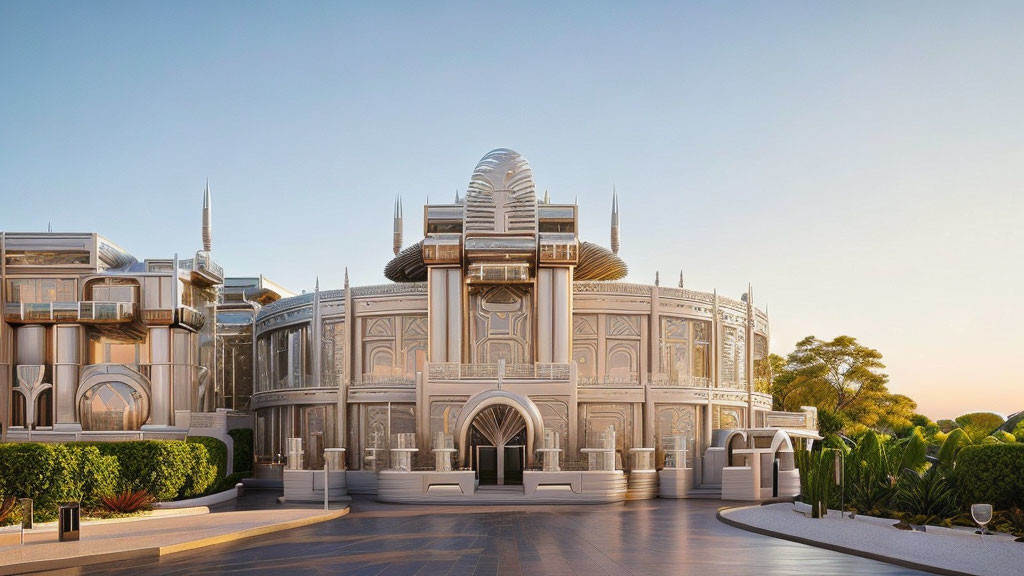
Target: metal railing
x,y
631,380
85,311
395,380
673,381
537,371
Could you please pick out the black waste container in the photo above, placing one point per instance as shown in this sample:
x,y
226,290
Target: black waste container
x,y
68,521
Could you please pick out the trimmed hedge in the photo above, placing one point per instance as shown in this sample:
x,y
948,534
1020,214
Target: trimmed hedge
x,y
991,474
243,457
84,471
217,450
52,474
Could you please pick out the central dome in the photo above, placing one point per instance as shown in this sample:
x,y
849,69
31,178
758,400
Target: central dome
x,y
501,196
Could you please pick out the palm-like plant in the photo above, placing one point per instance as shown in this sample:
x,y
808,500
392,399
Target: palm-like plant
x,y
816,477
128,501
928,494
872,469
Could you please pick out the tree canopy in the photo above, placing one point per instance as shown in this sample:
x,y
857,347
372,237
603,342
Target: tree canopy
x,y
844,380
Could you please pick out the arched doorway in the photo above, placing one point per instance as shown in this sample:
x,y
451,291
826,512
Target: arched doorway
x,y
518,422
498,445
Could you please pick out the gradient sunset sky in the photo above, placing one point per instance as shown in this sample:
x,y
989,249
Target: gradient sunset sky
x,y
861,163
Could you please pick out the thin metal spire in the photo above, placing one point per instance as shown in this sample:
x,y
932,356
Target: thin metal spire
x,y
397,239
207,219
657,278
681,284
457,199
615,221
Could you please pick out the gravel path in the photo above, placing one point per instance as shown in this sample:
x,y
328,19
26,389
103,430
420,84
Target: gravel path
x,y
940,550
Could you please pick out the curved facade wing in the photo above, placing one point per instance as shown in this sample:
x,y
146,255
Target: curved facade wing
x,y
408,266
599,263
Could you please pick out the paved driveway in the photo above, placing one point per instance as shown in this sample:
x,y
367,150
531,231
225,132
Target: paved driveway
x,y
649,537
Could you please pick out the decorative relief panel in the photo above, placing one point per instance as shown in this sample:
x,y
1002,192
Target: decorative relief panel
x,y
555,412
444,413
501,327
675,419
394,348
595,418
684,348
623,326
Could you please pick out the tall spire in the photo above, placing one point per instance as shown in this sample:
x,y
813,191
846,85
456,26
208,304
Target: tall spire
x,y
615,221
397,244
207,220
657,278
457,199
346,277
49,227
547,197
681,284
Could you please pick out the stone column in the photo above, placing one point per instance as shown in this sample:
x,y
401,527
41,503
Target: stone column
x,y
161,404
445,313
67,365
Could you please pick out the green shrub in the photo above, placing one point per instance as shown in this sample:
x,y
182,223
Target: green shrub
x,y
201,473
991,474
52,474
217,450
243,456
1004,437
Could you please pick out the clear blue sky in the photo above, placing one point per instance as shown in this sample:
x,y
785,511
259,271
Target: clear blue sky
x,y
860,163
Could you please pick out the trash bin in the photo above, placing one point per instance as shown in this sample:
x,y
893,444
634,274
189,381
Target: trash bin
x,y
26,513
70,516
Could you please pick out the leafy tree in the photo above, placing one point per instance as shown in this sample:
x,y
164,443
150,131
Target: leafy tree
x,y
978,425
844,380
947,426
1018,431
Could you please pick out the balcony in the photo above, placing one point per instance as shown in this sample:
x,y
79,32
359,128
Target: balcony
x,y
85,312
538,371
203,270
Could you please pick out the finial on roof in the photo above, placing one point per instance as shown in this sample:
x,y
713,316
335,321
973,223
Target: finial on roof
x,y
49,227
615,221
547,197
576,200
681,284
657,278
346,277
397,239
207,219
317,286
457,199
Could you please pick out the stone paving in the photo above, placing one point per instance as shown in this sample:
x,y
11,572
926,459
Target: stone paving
x,y
645,537
137,539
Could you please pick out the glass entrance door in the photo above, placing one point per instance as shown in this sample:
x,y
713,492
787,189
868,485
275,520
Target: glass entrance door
x,y
486,464
515,461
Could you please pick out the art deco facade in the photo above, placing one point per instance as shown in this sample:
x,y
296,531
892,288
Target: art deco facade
x,y
502,323
499,326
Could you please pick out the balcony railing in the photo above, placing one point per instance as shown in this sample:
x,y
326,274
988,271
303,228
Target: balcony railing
x,y
87,311
396,380
672,381
631,380
203,269
538,371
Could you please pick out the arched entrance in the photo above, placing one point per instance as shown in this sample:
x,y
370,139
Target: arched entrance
x,y
497,441
499,425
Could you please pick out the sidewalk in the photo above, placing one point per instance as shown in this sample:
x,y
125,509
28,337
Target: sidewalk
x,y
939,550
150,537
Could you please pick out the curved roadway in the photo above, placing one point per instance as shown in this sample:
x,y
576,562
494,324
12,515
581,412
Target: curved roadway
x,y
647,537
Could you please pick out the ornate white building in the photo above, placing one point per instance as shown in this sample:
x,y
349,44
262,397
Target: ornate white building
x,y
501,326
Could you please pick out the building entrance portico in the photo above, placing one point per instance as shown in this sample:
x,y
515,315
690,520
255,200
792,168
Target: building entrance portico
x,y
498,445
